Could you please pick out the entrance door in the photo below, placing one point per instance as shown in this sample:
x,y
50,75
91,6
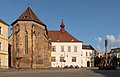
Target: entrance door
x,y
88,63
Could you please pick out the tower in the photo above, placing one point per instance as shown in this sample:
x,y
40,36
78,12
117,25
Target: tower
x,y
106,49
62,26
29,42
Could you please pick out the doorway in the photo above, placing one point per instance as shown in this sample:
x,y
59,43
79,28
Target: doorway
x,y
88,63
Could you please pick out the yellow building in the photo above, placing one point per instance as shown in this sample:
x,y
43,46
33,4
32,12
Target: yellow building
x,y
3,44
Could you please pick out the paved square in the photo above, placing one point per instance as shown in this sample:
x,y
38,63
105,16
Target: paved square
x,y
82,72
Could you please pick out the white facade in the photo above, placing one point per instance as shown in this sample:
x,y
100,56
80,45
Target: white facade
x,y
3,45
72,50
87,58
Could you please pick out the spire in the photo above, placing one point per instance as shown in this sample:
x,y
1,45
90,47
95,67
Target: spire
x,y
28,15
62,26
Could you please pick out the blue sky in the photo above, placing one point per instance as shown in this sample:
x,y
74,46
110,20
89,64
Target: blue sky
x,y
90,21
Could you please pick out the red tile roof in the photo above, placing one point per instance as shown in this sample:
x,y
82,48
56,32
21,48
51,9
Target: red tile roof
x,y
87,47
28,15
58,36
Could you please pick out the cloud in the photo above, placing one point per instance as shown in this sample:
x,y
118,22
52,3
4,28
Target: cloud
x,y
99,39
114,41
100,49
111,38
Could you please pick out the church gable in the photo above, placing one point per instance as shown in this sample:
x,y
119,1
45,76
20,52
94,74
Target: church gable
x,y
30,44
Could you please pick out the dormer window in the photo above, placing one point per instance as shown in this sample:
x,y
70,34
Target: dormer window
x,y
58,40
26,17
72,40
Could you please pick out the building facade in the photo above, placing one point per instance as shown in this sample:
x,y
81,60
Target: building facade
x,y
67,50
29,42
115,52
3,44
87,59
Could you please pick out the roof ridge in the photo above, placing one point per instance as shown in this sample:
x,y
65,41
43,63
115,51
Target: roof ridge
x,y
28,15
30,12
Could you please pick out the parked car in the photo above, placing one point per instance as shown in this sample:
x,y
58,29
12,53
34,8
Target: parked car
x,y
71,66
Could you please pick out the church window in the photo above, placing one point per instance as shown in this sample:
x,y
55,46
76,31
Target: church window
x,y
53,48
0,46
0,30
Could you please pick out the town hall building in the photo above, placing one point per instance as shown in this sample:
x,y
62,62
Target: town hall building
x,y
67,51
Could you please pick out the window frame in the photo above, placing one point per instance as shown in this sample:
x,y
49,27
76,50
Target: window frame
x,y
69,48
53,49
61,59
53,59
74,59
0,46
62,48
75,48
0,30
86,54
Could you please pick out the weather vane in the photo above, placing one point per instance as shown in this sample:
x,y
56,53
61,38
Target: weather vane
x,y
62,17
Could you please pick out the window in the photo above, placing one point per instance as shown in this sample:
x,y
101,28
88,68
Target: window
x,y
75,48
90,54
0,62
26,42
73,59
62,48
81,61
0,46
61,59
69,48
0,30
53,49
53,59
81,55
86,54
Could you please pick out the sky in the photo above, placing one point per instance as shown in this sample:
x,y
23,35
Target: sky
x,y
90,21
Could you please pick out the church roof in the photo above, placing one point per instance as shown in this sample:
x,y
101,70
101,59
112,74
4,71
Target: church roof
x,y
3,22
58,36
28,15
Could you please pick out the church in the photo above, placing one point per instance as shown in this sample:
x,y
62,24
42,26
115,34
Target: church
x,y
29,45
